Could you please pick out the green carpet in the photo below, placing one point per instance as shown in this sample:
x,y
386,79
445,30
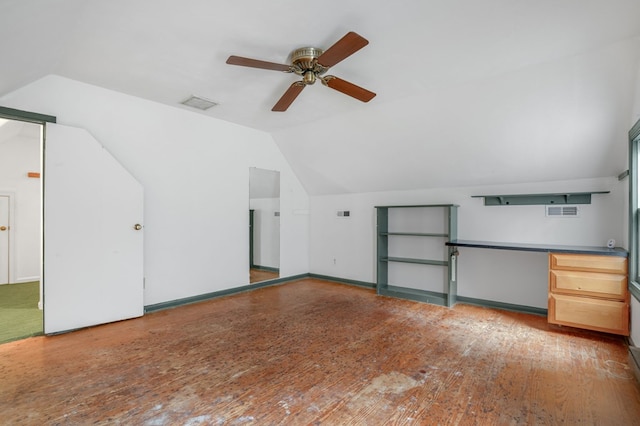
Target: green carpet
x,y
19,313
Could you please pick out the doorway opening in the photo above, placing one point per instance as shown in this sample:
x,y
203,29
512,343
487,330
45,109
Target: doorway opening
x,y
21,288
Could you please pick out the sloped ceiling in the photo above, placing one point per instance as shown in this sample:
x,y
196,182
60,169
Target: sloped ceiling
x,y
468,92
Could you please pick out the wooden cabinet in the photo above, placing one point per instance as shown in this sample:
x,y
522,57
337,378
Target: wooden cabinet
x,y
589,291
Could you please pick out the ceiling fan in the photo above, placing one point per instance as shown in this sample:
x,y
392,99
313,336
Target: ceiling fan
x,y
311,64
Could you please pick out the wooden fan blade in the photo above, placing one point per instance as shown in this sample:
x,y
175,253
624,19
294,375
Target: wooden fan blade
x,y
343,48
348,88
254,63
289,96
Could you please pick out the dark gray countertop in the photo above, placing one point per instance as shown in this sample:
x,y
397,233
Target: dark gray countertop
x,y
616,251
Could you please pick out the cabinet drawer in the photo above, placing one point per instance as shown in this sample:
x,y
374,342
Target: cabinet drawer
x,y
612,286
587,262
593,314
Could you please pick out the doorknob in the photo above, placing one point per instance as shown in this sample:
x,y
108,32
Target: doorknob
x,y
137,227
3,228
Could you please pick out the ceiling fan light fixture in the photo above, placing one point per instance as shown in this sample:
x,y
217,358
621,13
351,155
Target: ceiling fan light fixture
x,y
199,102
309,77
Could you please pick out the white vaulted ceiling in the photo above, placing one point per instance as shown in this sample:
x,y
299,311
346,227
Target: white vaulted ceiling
x,y
468,92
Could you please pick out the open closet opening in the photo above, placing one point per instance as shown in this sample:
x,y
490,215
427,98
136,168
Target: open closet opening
x,y
21,286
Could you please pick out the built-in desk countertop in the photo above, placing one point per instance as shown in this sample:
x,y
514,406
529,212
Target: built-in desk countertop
x,y
547,248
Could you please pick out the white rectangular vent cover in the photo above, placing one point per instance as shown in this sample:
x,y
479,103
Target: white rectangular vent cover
x,y
562,211
199,102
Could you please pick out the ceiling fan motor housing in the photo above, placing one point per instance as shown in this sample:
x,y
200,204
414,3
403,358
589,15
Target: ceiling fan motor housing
x,y
304,62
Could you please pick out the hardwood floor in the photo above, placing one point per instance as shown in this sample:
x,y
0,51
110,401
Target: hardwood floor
x,y
314,352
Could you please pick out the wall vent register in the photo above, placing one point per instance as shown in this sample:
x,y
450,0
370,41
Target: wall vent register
x,y
562,211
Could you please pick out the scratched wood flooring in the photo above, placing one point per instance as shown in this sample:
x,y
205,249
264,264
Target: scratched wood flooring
x,y
314,352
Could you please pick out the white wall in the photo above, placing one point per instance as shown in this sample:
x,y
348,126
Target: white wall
x,y
195,173
498,275
20,154
195,170
266,232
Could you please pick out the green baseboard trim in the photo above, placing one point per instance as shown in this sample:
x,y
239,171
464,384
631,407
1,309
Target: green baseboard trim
x,y
342,280
503,306
634,362
213,295
390,291
416,295
265,268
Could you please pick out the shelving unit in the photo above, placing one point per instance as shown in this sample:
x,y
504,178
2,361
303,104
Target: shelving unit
x,y
403,232
538,199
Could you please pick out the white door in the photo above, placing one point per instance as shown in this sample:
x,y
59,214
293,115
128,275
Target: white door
x,y
4,239
93,252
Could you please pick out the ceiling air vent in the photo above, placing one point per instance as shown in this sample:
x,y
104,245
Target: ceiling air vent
x,y
199,103
562,211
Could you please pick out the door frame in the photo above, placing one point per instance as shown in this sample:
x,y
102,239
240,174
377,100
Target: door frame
x,y
12,247
31,117
251,223
41,119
